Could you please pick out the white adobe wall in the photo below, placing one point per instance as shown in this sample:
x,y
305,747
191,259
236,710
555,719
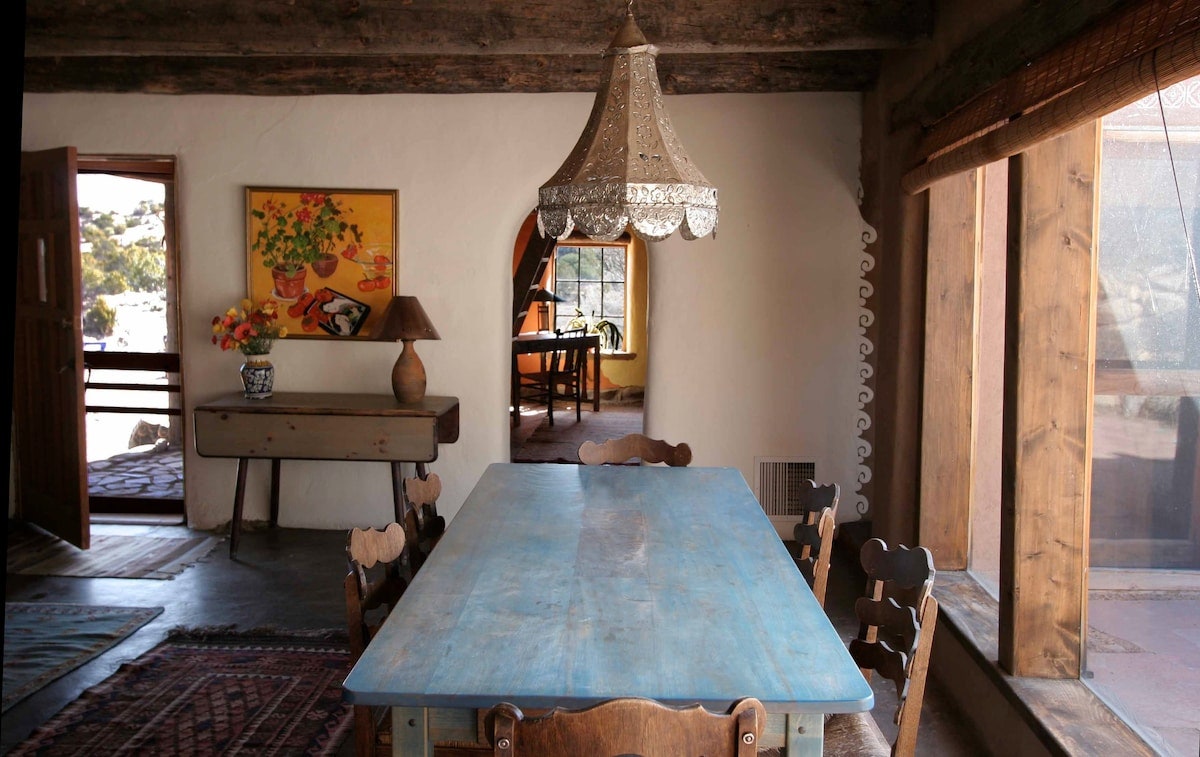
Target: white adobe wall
x,y
754,335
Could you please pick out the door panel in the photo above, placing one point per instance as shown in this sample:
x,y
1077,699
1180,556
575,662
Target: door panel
x,y
48,401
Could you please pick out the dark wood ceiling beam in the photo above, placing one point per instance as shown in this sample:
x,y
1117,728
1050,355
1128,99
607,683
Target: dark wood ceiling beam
x,y
462,27
1005,47
441,74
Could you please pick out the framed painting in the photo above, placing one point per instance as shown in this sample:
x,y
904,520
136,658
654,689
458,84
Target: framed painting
x,y
327,256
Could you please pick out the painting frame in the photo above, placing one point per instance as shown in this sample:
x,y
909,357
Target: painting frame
x,y
326,256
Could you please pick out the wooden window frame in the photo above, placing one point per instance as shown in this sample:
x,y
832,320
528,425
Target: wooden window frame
x,y
1048,390
624,242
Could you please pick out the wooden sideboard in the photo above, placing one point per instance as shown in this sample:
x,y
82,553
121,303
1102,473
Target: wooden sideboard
x,y
322,426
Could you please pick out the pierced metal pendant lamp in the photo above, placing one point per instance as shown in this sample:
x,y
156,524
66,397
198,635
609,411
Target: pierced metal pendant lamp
x,y
628,169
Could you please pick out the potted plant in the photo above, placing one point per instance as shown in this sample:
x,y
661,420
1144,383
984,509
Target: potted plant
x,y
290,239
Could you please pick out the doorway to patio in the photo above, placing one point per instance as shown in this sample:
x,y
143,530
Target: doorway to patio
x,y
133,417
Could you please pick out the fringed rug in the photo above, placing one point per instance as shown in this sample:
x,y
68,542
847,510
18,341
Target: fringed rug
x,y
44,641
33,552
212,692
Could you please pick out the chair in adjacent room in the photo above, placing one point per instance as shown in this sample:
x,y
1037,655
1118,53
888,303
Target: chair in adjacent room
x,y
633,447
377,577
560,376
628,726
420,497
895,639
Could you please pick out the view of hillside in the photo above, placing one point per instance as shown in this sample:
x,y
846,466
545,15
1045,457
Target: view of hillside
x,y
123,263
123,266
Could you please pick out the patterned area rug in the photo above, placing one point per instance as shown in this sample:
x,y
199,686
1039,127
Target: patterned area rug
x,y
43,642
560,443
212,692
33,552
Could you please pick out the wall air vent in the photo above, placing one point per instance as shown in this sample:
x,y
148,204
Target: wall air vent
x,y
778,483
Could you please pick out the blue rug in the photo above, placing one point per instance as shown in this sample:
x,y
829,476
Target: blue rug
x,y
43,641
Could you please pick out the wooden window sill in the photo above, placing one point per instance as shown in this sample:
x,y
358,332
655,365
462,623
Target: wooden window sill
x,y
1066,715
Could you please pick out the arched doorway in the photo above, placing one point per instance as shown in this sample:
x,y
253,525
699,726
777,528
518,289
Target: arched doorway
x,y
605,287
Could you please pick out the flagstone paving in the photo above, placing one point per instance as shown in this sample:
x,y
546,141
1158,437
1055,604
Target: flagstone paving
x,y
154,472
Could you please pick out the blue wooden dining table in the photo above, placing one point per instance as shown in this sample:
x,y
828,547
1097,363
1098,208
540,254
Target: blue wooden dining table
x,y
565,585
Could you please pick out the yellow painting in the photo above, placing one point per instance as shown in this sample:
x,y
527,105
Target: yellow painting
x,y
327,256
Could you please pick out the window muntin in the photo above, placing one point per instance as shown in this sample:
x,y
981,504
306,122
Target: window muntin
x,y
591,279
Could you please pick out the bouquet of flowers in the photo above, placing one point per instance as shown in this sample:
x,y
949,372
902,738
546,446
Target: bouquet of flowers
x,y
253,329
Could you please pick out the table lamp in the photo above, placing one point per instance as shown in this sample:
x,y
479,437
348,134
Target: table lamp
x,y
543,297
404,320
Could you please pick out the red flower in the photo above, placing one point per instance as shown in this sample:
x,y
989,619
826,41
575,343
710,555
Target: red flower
x,y
244,331
251,328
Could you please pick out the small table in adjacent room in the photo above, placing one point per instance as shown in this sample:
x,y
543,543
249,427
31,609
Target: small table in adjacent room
x,y
318,426
542,342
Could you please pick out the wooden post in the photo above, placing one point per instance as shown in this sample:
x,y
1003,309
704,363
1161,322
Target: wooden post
x,y
1048,389
951,367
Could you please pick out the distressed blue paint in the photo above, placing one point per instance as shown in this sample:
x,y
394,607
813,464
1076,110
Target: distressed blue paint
x,y
565,585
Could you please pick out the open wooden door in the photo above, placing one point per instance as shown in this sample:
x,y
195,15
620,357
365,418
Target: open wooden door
x,y
48,400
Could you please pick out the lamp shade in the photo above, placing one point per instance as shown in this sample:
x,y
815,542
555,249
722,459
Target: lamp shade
x,y
545,295
628,169
404,318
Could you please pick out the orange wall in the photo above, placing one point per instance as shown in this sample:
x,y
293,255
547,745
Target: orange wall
x,y
614,372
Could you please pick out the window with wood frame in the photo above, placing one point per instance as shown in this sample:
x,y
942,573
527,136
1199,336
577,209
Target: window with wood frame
x,y
591,281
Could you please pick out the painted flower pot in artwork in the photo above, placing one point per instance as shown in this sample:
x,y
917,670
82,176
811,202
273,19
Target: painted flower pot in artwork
x,y
288,287
325,265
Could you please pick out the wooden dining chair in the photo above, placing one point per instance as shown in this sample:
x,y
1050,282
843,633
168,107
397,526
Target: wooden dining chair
x,y
904,662
420,497
560,375
814,533
813,497
377,577
903,574
897,618
814,540
635,447
627,726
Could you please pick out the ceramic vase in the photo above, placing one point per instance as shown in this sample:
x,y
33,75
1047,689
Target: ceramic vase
x,y
258,377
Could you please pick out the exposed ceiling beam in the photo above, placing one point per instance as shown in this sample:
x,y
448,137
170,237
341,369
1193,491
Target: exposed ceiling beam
x,y
442,74
303,47
1003,48
462,27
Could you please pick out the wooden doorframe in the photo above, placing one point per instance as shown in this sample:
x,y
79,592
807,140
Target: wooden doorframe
x,y
160,169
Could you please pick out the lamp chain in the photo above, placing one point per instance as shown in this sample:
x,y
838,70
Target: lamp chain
x,y
1187,238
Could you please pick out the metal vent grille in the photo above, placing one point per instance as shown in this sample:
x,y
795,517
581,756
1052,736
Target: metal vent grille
x,y
779,483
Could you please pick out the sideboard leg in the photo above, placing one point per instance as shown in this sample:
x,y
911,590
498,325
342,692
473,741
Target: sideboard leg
x,y
239,496
274,492
398,491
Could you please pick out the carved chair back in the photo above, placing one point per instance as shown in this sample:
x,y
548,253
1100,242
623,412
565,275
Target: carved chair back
x,y
377,577
420,498
628,726
635,446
